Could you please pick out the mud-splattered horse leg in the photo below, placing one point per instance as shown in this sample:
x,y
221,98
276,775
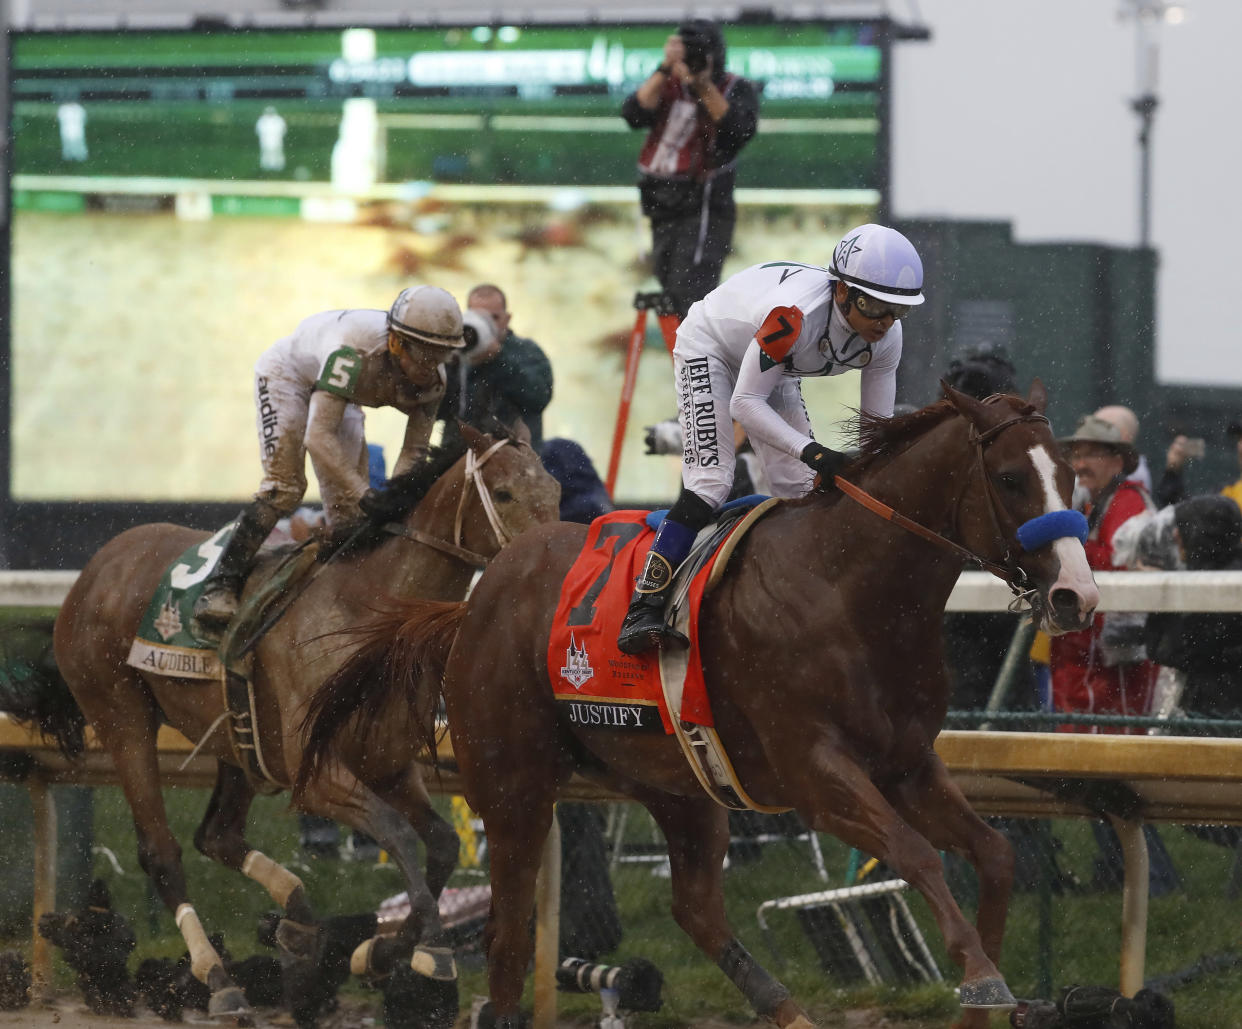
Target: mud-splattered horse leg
x,y
932,803
409,797
221,837
517,808
129,734
697,832
847,804
515,835
337,794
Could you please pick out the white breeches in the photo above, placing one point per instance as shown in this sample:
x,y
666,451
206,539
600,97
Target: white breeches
x,y
281,410
704,388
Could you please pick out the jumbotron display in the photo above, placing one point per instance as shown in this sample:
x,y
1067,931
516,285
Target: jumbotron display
x,y
182,199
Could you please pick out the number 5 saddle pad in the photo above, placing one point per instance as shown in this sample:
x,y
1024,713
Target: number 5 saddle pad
x,y
604,688
167,642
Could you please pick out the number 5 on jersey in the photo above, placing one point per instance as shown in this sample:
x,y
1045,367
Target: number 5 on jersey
x,y
340,372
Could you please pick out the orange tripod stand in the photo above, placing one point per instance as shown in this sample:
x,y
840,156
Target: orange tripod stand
x,y
662,304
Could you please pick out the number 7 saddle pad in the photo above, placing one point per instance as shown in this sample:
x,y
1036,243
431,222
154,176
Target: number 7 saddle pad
x,y
602,687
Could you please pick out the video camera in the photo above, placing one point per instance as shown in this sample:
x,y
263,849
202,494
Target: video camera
x,y
696,52
699,38
478,331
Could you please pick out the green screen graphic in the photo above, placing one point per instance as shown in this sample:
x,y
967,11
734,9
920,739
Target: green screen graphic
x,y
198,193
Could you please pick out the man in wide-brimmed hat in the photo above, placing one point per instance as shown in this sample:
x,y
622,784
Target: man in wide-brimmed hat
x,y
1098,454
1095,671
1085,677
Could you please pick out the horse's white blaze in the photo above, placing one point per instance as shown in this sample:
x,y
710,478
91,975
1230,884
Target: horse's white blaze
x,y
1046,469
1074,573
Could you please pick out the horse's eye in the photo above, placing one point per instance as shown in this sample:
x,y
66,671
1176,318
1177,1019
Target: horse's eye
x,y
502,496
1011,481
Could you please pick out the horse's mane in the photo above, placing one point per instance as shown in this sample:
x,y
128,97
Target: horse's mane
x,y
411,487
875,436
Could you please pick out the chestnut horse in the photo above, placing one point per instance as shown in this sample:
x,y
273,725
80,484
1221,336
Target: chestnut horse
x,y
823,658
495,491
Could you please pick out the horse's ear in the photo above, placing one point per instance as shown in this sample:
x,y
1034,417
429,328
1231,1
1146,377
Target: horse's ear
x,y
520,430
967,406
470,434
1038,397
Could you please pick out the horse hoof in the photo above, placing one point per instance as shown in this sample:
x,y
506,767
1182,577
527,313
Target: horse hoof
x,y
297,940
228,1002
434,963
413,1001
991,994
488,1019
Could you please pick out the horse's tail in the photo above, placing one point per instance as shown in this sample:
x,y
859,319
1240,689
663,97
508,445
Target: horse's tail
x,y
401,659
33,691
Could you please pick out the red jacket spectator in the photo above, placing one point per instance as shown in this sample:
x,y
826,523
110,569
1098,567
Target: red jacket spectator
x,y
1086,677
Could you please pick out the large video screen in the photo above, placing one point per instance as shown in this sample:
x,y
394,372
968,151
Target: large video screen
x,y
181,199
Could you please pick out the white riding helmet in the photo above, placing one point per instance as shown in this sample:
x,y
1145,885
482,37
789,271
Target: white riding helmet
x,y
427,315
881,262
478,330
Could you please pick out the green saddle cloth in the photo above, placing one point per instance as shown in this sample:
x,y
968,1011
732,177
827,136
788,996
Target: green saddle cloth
x,y
167,642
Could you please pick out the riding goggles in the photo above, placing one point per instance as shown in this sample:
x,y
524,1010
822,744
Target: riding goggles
x,y
873,310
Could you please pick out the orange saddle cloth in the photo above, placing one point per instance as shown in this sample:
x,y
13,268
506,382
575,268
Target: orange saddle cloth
x,y
604,688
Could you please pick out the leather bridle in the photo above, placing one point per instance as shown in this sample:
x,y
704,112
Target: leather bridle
x,y
473,475
1008,569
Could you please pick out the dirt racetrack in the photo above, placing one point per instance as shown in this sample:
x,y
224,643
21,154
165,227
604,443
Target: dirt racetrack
x,y
67,1013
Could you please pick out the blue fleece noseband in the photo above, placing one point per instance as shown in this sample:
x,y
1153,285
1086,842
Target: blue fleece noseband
x,y
1054,525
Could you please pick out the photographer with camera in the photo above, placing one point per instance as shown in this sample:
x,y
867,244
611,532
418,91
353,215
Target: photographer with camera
x,y
699,117
499,374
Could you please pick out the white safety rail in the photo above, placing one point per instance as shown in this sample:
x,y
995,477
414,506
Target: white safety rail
x,y
34,589
975,591
1119,591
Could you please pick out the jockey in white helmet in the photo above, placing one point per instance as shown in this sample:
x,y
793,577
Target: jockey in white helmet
x,y
741,355
310,388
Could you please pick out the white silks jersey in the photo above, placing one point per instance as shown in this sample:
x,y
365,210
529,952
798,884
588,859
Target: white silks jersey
x,y
309,386
741,355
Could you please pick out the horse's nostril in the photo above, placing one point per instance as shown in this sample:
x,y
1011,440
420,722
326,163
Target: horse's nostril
x,y
1064,604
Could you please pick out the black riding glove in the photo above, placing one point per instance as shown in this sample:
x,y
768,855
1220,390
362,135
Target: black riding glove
x,y
826,463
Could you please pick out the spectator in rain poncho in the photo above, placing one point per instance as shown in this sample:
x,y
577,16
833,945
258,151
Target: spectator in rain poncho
x,y
1205,645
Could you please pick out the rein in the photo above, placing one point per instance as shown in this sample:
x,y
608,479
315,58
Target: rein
x,y
910,525
1009,571
473,475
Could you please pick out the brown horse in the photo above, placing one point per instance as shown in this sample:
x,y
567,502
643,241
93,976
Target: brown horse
x,y
495,491
822,654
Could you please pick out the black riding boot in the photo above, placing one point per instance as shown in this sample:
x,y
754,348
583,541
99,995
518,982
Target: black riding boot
x,y
218,602
644,627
